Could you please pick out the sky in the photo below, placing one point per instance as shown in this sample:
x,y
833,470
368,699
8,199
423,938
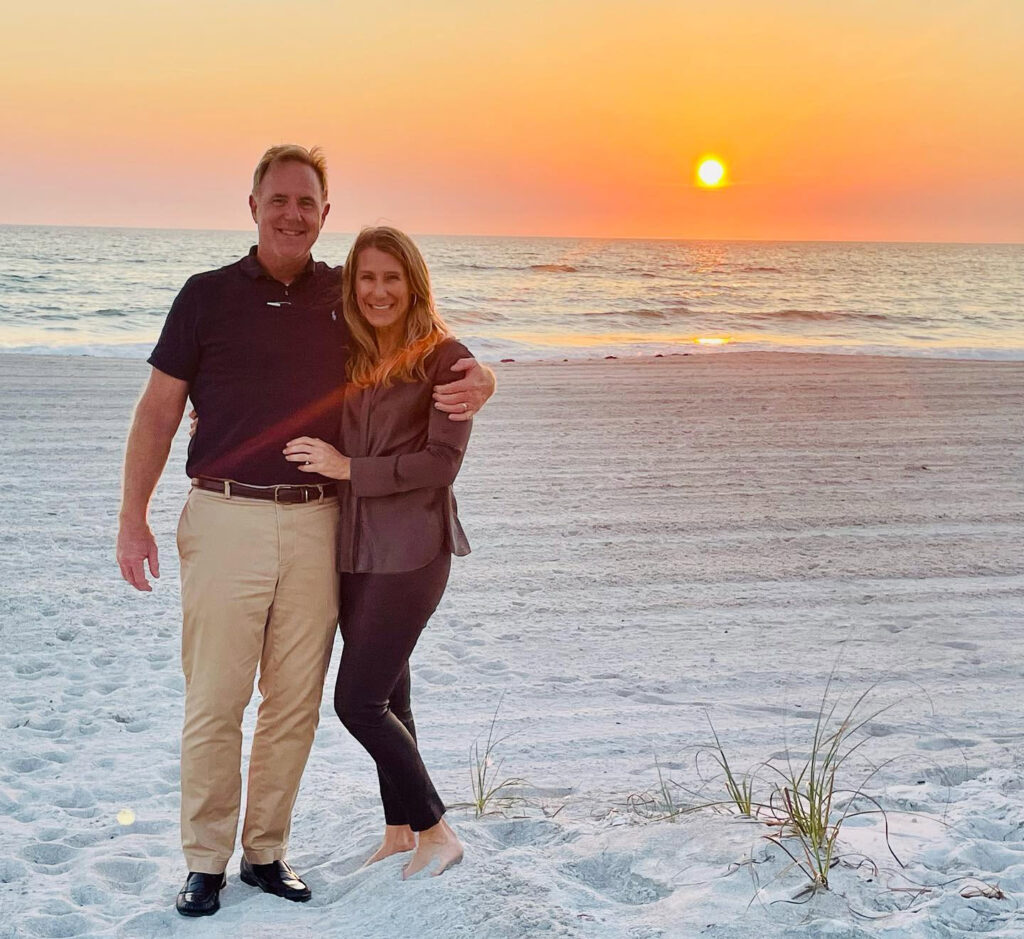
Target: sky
x,y
878,120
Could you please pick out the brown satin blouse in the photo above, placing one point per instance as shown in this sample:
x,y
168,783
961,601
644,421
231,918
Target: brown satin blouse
x,y
398,511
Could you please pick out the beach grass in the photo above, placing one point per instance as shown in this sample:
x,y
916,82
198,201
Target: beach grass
x,y
810,804
739,788
663,802
491,795
804,801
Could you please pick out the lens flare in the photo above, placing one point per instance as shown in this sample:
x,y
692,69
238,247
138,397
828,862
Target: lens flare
x,y
125,817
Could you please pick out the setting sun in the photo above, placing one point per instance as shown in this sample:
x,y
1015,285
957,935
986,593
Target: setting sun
x,y
711,173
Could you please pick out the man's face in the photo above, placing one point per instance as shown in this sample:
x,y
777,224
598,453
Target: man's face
x,y
289,210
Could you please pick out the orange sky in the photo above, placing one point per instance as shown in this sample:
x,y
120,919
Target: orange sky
x,y
894,120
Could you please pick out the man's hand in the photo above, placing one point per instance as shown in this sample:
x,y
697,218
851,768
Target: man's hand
x,y
136,546
463,398
157,416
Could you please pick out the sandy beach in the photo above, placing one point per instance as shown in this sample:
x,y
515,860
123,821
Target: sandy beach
x,y
655,542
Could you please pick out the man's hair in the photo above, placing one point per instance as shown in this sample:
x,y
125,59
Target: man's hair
x,y
284,153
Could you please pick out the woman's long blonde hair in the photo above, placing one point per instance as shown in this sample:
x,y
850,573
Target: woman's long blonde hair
x,y
424,328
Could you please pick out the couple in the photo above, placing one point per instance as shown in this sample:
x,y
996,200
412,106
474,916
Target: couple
x,y
334,412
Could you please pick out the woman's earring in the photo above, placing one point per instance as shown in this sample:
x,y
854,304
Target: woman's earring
x,y
412,300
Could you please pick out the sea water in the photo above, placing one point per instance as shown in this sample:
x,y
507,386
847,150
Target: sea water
x,y
106,291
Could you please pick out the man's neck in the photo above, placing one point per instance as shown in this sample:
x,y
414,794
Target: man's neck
x,y
283,269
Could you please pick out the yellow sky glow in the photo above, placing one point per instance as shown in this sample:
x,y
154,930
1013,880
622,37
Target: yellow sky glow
x,y
564,118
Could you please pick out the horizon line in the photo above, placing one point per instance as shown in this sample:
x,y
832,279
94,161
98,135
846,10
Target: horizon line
x,y
845,241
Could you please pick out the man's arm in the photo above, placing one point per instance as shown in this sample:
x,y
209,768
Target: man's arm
x,y
463,398
157,416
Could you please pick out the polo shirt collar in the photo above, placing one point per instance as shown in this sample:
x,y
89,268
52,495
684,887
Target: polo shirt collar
x,y
252,268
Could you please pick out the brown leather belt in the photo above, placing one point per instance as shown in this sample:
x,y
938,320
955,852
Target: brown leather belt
x,y
287,495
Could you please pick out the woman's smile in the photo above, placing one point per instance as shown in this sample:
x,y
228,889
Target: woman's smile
x,y
382,288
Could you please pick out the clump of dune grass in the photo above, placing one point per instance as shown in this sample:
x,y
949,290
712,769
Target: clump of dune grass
x,y
662,803
810,803
805,801
738,788
491,795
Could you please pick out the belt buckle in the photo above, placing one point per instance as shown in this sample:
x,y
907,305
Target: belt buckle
x,y
306,491
280,500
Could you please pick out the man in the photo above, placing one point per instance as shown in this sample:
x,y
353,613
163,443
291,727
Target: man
x,y
259,347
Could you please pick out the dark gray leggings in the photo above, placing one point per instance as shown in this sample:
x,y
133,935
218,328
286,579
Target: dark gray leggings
x,y
382,616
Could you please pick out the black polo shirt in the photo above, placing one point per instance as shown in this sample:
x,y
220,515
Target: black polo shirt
x,y
264,362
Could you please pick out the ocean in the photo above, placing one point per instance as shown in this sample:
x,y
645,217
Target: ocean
x,y
105,291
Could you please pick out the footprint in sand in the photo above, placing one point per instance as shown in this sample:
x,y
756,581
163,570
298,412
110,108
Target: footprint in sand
x,y
52,858
987,856
611,877
435,676
132,724
895,627
53,833
877,730
35,668
58,756
46,726
87,727
12,870
946,743
109,687
24,702
491,665
172,682
159,660
88,895
125,874
152,925
27,764
527,833
644,697
60,927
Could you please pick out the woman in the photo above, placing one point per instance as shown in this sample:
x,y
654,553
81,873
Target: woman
x,y
397,459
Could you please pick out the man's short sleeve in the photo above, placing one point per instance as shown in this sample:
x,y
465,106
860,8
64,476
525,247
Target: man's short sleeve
x,y
177,350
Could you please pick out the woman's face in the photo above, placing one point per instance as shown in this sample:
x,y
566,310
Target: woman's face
x,y
382,289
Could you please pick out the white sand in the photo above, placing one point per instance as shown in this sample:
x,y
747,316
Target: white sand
x,y
651,539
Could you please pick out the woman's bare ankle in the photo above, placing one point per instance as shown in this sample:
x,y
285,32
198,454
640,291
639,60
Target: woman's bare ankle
x,y
397,839
439,848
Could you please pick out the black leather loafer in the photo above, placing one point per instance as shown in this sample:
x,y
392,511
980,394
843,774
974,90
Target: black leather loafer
x,y
276,878
201,894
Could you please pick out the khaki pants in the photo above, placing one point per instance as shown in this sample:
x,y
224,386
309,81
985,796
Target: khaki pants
x,y
258,588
